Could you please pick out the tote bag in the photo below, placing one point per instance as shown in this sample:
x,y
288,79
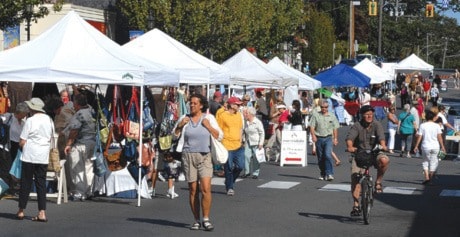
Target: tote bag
x,y
218,152
16,167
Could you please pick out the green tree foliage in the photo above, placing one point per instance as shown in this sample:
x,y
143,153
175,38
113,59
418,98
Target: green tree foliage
x,y
320,33
218,29
13,12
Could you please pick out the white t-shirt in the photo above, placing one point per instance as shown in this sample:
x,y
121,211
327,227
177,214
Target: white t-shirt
x,y
429,131
37,133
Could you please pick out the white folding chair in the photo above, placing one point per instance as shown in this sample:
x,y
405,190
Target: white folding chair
x,y
61,185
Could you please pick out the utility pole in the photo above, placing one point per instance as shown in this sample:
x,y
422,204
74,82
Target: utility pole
x,y
379,52
352,30
445,51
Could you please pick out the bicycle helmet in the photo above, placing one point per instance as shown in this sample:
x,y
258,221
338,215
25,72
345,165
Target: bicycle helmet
x,y
365,109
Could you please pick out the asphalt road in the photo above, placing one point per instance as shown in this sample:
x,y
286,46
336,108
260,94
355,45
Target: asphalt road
x,y
284,201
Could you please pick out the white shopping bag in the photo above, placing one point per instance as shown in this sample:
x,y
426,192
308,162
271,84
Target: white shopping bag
x,y
260,155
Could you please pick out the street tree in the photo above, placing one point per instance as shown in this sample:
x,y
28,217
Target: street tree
x,y
13,12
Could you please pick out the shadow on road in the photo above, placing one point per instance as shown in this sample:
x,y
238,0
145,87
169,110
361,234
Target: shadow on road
x,y
343,219
159,222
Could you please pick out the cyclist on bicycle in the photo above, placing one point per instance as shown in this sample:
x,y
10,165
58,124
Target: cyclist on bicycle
x,y
364,136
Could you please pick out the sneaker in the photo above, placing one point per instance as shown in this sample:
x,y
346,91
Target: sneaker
x,y
195,226
160,177
230,192
321,177
152,192
329,178
207,225
172,195
408,155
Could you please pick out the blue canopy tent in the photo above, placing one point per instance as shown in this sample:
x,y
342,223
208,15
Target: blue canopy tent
x,y
343,75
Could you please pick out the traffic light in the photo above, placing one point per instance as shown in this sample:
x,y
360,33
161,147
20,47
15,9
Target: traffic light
x,y
372,8
429,11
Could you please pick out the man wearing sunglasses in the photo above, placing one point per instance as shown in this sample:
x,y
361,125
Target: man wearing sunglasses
x,y
323,128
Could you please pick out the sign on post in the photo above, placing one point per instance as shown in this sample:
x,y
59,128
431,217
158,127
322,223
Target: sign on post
x,y
293,148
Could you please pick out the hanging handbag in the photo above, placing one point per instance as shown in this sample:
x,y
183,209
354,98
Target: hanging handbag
x,y
118,111
218,152
3,101
54,165
115,160
99,164
102,120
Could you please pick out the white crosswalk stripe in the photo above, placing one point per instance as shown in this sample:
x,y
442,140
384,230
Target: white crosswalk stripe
x,y
279,185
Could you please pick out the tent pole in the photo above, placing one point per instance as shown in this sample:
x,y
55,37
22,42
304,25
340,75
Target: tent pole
x,y
139,160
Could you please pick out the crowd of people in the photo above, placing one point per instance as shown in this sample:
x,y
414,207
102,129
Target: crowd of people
x,y
248,127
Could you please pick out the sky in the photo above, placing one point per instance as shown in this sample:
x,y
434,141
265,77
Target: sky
x,y
453,14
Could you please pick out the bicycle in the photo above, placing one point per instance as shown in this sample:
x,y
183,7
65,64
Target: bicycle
x,y
365,159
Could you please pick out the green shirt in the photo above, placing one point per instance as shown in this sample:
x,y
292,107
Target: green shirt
x,y
324,124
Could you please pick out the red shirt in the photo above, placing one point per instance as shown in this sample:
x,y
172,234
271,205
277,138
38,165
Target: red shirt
x,y
426,86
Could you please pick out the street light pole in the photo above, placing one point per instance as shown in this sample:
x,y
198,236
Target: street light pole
x,y
28,14
150,20
380,28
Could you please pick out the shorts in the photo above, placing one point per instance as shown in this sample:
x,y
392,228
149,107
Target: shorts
x,y
355,169
197,165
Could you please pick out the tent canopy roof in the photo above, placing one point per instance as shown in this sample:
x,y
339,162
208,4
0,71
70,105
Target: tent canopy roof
x,y
374,72
247,69
157,46
413,62
305,82
342,75
73,51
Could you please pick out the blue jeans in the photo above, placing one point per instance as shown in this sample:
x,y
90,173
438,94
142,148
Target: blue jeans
x,y
233,167
406,142
324,154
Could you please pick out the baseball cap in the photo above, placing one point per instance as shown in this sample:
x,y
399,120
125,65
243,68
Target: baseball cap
x,y
234,100
365,109
217,94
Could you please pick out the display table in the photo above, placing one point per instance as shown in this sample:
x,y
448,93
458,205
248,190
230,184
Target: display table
x,y
118,182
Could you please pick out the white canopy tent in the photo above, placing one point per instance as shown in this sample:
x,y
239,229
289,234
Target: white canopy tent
x,y
414,63
305,82
375,73
389,68
194,68
247,69
73,51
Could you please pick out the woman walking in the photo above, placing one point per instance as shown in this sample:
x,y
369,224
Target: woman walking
x,y
406,127
35,142
430,136
194,131
392,127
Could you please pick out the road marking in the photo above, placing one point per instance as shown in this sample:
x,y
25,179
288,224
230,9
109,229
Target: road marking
x,y
450,193
279,185
399,190
220,181
347,188
336,187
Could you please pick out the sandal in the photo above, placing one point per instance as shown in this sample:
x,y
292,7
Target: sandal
x,y
195,226
208,226
356,211
36,218
378,188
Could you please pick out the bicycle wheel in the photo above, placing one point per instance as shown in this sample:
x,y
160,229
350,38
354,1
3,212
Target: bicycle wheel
x,y
366,199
